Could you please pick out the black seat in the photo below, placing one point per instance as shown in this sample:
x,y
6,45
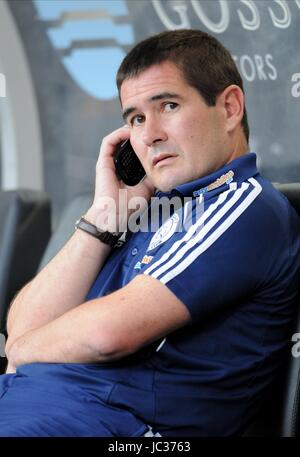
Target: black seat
x,y
73,210
25,247
24,233
290,415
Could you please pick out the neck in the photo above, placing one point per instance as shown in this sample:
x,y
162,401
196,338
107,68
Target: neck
x,y
239,147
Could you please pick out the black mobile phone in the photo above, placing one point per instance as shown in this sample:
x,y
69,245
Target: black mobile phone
x,y
128,165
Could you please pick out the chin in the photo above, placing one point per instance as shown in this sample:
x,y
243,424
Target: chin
x,y
168,182
167,187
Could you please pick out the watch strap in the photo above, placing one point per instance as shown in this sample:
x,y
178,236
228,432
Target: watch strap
x,y
106,237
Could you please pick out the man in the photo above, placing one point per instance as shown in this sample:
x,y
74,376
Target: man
x,y
177,331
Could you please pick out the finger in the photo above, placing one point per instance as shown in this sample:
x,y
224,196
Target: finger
x,y
111,141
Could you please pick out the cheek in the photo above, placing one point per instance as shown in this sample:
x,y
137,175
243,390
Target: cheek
x,y
140,151
137,147
190,130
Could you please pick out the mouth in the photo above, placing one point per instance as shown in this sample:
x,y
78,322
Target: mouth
x,y
162,159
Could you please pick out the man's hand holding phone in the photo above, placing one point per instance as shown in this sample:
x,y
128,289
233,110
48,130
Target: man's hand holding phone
x,y
110,188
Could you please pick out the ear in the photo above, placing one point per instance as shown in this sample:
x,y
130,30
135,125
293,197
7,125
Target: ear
x,y
231,101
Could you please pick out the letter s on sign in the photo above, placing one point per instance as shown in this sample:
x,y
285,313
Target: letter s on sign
x,y
250,24
285,21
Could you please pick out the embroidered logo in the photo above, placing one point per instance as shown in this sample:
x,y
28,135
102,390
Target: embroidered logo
x,y
224,179
145,261
164,232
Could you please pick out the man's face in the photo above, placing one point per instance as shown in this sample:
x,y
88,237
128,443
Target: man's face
x,y
177,137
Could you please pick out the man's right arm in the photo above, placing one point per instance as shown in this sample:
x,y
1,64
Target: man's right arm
x,y
62,284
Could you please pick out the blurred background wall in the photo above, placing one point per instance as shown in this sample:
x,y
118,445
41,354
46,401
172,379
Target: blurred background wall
x,y
58,61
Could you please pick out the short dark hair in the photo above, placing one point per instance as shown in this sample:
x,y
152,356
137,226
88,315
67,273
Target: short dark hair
x,y
205,63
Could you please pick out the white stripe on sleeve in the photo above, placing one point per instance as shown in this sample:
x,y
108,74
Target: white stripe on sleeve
x,y
221,199
215,235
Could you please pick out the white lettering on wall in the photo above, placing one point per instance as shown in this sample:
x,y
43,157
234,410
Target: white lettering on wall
x,y
260,67
218,27
250,18
248,68
273,75
285,21
180,7
256,67
250,24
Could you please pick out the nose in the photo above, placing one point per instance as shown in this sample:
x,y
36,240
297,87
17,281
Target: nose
x,y
153,132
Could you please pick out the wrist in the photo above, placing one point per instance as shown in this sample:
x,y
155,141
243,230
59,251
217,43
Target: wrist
x,y
105,236
104,221
92,215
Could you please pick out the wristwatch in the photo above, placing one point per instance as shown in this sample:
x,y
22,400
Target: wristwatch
x,y
104,236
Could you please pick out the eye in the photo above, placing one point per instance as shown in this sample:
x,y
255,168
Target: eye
x,y
137,120
170,106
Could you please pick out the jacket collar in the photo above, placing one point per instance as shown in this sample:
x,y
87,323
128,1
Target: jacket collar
x,y
238,170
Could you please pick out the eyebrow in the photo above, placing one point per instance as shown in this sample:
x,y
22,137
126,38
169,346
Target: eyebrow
x,y
161,96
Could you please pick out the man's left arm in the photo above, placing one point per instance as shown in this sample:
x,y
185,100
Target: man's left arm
x,y
105,329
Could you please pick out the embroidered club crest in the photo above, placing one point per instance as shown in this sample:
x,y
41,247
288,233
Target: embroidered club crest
x,y
164,232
